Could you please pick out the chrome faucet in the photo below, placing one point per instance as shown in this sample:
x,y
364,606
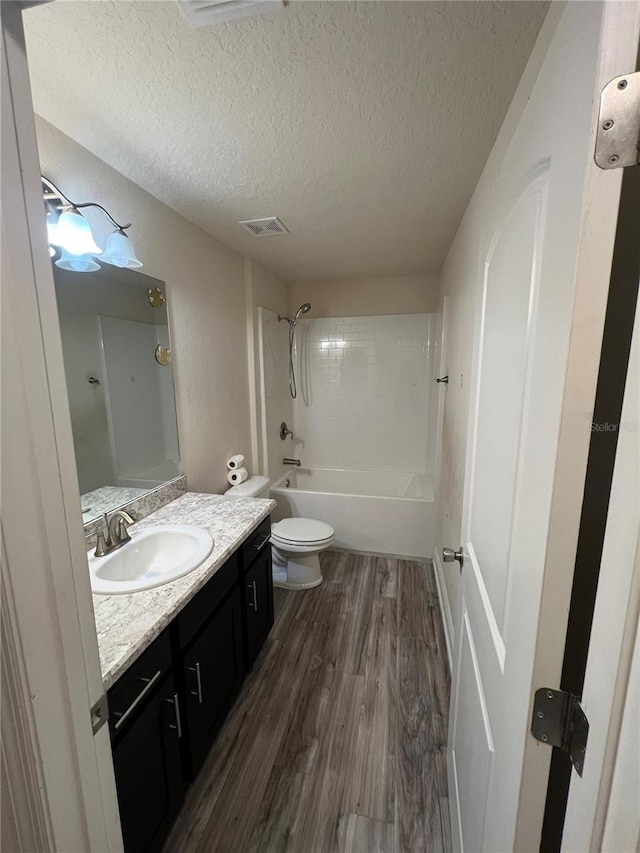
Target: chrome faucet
x,y
116,533
287,461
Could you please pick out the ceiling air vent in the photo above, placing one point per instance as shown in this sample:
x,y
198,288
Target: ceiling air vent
x,y
269,227
206,13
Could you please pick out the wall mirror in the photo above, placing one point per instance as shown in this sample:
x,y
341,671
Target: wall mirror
x,y
115,341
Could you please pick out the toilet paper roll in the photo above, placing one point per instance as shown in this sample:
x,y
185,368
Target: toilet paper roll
x,y
235,462
237,476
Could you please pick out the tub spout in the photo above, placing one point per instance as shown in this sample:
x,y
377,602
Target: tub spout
x,y
287,461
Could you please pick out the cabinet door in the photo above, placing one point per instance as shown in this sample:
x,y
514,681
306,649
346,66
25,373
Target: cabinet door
x,y
146,759
213,674
258,605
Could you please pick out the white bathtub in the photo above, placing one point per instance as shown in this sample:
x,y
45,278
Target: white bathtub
x,y
385,512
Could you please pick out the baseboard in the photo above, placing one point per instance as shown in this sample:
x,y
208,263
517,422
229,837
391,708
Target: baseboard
x,y
382,554
445,608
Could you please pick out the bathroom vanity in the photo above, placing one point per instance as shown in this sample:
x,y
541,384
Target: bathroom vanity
x,y
175,657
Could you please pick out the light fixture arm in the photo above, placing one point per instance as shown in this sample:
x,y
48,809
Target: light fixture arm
x,y
54,193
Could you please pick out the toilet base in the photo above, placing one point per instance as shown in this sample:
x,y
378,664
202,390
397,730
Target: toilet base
x,y
300,572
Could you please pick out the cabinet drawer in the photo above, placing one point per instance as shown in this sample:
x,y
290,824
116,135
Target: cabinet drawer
x,y
256,544
201,607
129,694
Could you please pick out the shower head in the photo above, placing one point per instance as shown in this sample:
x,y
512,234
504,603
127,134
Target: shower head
x,y
303,309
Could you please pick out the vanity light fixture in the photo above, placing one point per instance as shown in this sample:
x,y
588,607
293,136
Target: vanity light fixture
x,y
71,233
77,263
119,251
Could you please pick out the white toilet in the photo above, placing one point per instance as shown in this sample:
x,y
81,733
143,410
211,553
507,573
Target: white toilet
x,y
295,542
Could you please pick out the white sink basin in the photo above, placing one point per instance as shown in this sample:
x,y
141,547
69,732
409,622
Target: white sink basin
x,y
155,556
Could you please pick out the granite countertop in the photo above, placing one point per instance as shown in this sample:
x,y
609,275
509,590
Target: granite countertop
x,y
127,624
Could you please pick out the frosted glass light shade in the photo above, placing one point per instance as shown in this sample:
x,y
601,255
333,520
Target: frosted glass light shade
x,y
73,233
77,263
119,251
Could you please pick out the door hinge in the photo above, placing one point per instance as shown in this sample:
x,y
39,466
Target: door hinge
x,y
558,719
99,713
618,135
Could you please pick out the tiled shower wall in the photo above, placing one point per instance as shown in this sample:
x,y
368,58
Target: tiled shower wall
x,y
367,396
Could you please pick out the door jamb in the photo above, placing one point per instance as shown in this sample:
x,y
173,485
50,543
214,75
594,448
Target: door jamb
x,y
44,553
614,360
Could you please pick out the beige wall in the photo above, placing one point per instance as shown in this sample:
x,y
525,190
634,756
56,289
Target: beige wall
x,y
358,297
207,309
268,290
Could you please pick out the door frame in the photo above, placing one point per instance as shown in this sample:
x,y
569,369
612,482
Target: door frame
x,y
612,377
443,596
51,663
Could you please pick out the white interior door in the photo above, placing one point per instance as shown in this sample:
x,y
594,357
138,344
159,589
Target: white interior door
x,y
527,309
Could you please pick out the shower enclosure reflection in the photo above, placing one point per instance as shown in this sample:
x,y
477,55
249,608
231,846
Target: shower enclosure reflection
x,y
121,399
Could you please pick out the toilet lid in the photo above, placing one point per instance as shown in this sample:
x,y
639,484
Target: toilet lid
x,y
302,530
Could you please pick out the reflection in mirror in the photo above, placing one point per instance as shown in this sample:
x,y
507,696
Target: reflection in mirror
x,y
121,398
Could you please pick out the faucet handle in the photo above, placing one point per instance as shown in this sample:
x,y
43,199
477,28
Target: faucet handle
x,y
101,545
285,431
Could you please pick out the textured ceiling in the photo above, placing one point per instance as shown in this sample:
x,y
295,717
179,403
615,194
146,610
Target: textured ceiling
x,y
364,126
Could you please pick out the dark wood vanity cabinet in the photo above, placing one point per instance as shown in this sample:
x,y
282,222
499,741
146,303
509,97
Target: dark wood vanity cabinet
x,y
166,710
257,588
145,729
212,672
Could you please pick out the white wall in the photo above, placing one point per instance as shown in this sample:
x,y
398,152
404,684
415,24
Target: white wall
x,y
206,297
358,297
366,392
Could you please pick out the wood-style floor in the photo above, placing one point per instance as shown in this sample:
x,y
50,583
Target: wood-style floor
x,y
337,741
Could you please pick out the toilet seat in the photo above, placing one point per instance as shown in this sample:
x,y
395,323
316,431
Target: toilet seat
x,y
302,531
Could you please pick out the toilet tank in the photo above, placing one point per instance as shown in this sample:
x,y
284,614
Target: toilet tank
x,y
254,487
